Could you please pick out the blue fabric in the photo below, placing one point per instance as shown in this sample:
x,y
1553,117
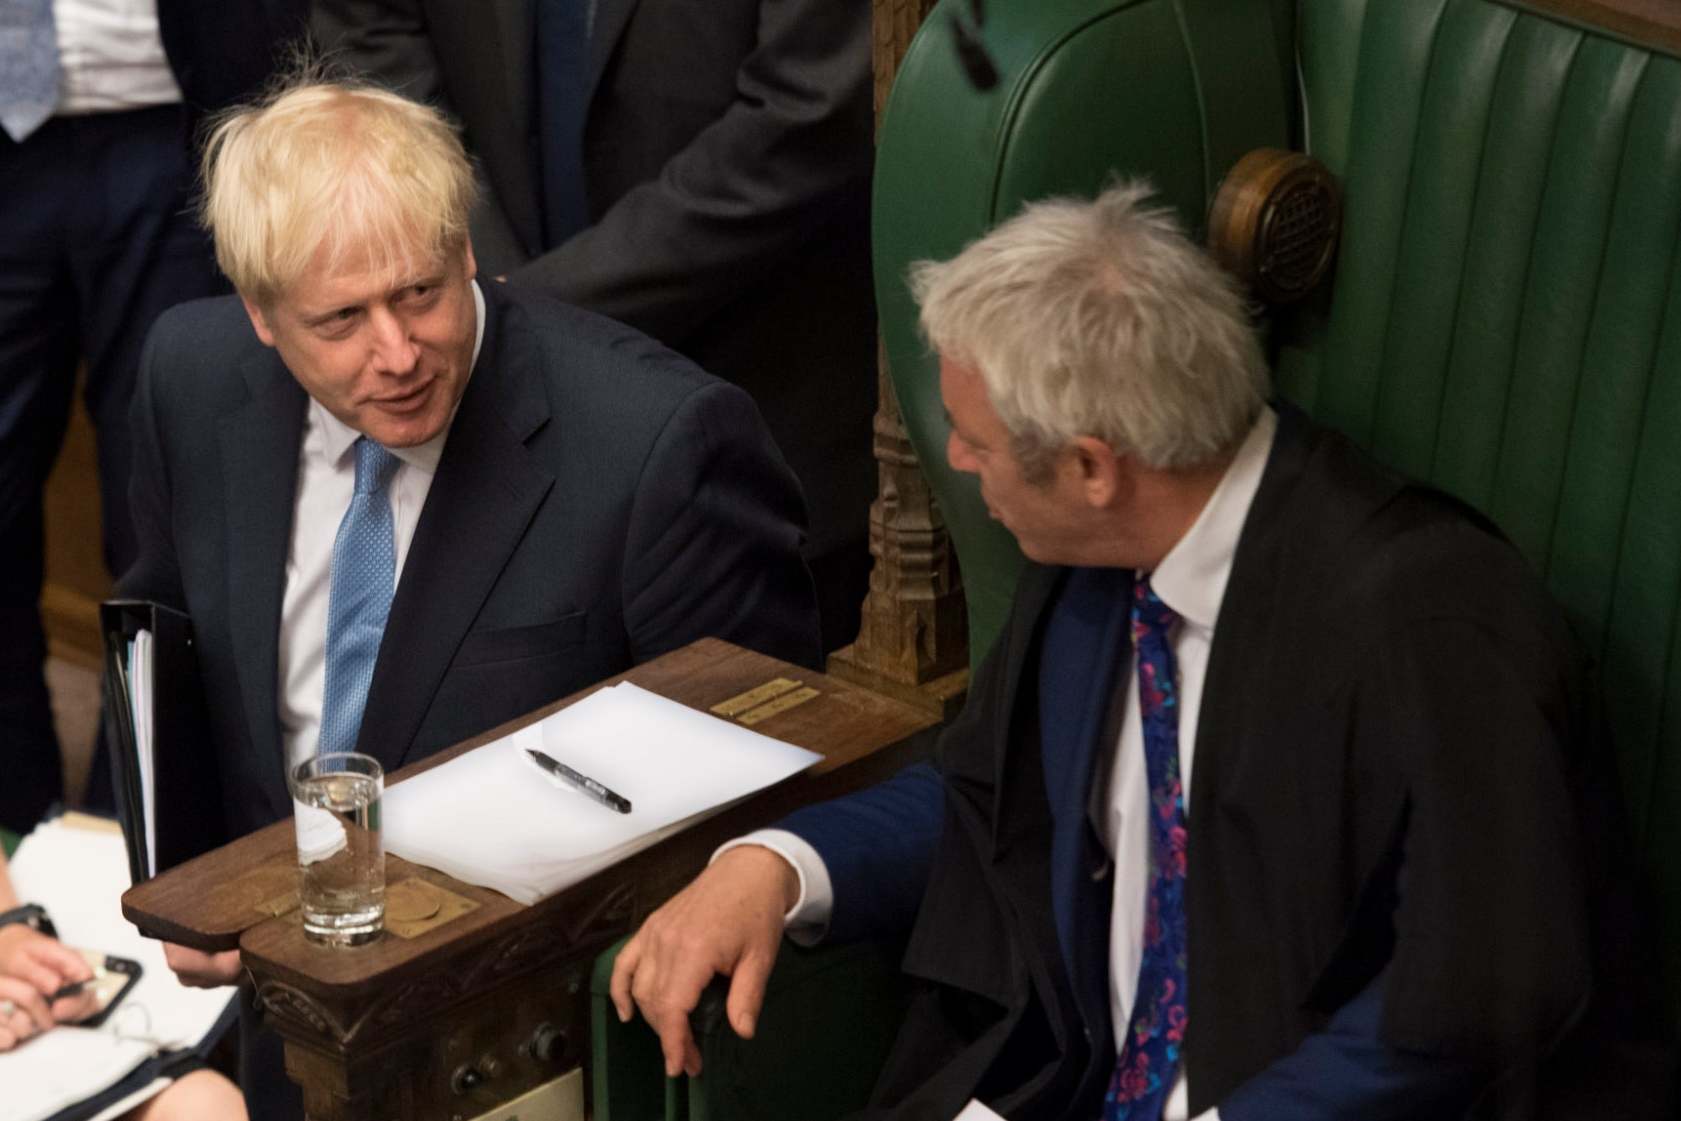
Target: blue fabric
x,y
364,577
28,65
563,36
1084,647
876,897
1346,1073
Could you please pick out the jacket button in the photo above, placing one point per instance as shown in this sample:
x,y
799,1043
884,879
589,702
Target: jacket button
x,y
1100,872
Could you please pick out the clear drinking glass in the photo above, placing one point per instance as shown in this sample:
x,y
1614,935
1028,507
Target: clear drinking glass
x,y
341,856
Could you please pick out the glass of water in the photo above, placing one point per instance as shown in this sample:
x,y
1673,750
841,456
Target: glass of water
x,y
341,858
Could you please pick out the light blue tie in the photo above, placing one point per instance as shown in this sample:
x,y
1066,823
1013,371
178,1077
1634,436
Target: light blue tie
x,y
364,577
28,65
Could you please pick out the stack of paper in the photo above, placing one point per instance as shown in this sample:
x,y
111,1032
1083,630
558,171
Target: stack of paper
x,y
491,817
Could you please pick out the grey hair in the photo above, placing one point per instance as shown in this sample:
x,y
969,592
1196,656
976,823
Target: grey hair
x,y
1099,318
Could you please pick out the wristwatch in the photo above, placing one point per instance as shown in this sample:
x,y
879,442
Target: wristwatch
x,y
32,915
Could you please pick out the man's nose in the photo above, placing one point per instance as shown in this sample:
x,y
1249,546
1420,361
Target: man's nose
x,y
394,352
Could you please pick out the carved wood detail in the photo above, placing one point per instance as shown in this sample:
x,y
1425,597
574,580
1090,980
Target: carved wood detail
x,y
585,929
913,639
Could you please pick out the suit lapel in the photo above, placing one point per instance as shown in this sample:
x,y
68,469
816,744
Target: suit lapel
x,y
483,497
259,444
1247,613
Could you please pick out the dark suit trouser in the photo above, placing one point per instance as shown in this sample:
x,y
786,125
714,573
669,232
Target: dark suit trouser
x,y
96,238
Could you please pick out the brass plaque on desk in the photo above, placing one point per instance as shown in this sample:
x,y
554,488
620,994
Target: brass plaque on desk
x,y
755,697
414,906
781,704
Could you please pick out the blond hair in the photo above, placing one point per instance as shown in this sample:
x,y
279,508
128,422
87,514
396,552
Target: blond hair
x,y
320,171
1099,318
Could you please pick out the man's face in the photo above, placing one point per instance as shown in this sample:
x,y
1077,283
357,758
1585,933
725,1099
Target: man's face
x,y
1049,520
387,355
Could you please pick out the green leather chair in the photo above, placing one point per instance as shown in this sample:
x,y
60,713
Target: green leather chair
x,y
1505,322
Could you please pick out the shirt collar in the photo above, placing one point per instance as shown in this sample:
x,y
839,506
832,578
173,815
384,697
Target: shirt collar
x,y
1191,579
337,436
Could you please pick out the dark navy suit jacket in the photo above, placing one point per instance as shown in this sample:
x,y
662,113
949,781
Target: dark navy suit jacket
x,y
599,501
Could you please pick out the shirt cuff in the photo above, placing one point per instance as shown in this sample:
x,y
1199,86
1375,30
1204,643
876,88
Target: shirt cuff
x,y
807,921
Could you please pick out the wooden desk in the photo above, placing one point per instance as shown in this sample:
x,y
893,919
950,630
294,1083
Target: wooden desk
x,y
387,1031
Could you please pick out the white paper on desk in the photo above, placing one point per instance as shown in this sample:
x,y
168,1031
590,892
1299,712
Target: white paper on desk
x,y
490,817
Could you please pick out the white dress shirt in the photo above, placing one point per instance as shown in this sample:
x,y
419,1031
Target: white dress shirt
x,y
1191,580
326,482
110,56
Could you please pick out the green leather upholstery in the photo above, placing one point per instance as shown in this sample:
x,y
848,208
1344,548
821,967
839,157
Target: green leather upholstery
x,y
829,1017
1505,321
1089,89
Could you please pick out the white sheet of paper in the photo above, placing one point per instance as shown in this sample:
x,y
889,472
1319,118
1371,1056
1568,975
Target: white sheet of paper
x,y
490,817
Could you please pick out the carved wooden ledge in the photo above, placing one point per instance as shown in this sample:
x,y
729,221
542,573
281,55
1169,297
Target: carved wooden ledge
x,y
913,639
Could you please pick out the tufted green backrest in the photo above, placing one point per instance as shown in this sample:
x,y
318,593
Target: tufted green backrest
x,y
1505,321
1089,89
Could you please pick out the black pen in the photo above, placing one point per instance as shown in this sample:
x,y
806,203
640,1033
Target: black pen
x,y
74,988
580,782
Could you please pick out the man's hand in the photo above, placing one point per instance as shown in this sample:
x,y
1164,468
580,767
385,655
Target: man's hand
x,y
729,921
32,968
202,970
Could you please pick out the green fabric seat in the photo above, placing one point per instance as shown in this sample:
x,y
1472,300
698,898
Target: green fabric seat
x,y
829,1018
1505,322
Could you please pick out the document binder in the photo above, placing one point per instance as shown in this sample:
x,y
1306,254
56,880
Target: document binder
x,y
164,772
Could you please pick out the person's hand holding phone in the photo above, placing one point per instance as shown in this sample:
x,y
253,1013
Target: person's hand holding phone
x,y
33,967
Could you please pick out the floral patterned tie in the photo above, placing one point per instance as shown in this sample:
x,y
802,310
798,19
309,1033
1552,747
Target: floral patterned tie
x,y
1149,1058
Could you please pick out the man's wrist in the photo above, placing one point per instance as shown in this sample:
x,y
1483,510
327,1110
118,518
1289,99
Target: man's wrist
x,y
807,919
790,881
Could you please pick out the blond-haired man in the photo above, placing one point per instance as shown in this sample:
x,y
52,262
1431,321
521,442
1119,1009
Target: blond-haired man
x,y
402,506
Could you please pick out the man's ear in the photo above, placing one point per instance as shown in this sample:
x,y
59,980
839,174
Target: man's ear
x,y
1103,475
472,266
259,324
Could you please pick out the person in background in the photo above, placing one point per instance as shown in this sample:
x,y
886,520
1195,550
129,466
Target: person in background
x,y
33,966
99,100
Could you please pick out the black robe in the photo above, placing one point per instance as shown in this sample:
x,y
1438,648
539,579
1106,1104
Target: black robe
x,y
1394,756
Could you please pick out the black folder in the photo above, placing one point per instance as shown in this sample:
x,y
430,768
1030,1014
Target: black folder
x,y
185,790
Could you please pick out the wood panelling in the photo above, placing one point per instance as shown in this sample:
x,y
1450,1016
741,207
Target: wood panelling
x,y
76,576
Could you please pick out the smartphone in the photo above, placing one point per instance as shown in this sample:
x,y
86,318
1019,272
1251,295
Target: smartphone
x,y
112,979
